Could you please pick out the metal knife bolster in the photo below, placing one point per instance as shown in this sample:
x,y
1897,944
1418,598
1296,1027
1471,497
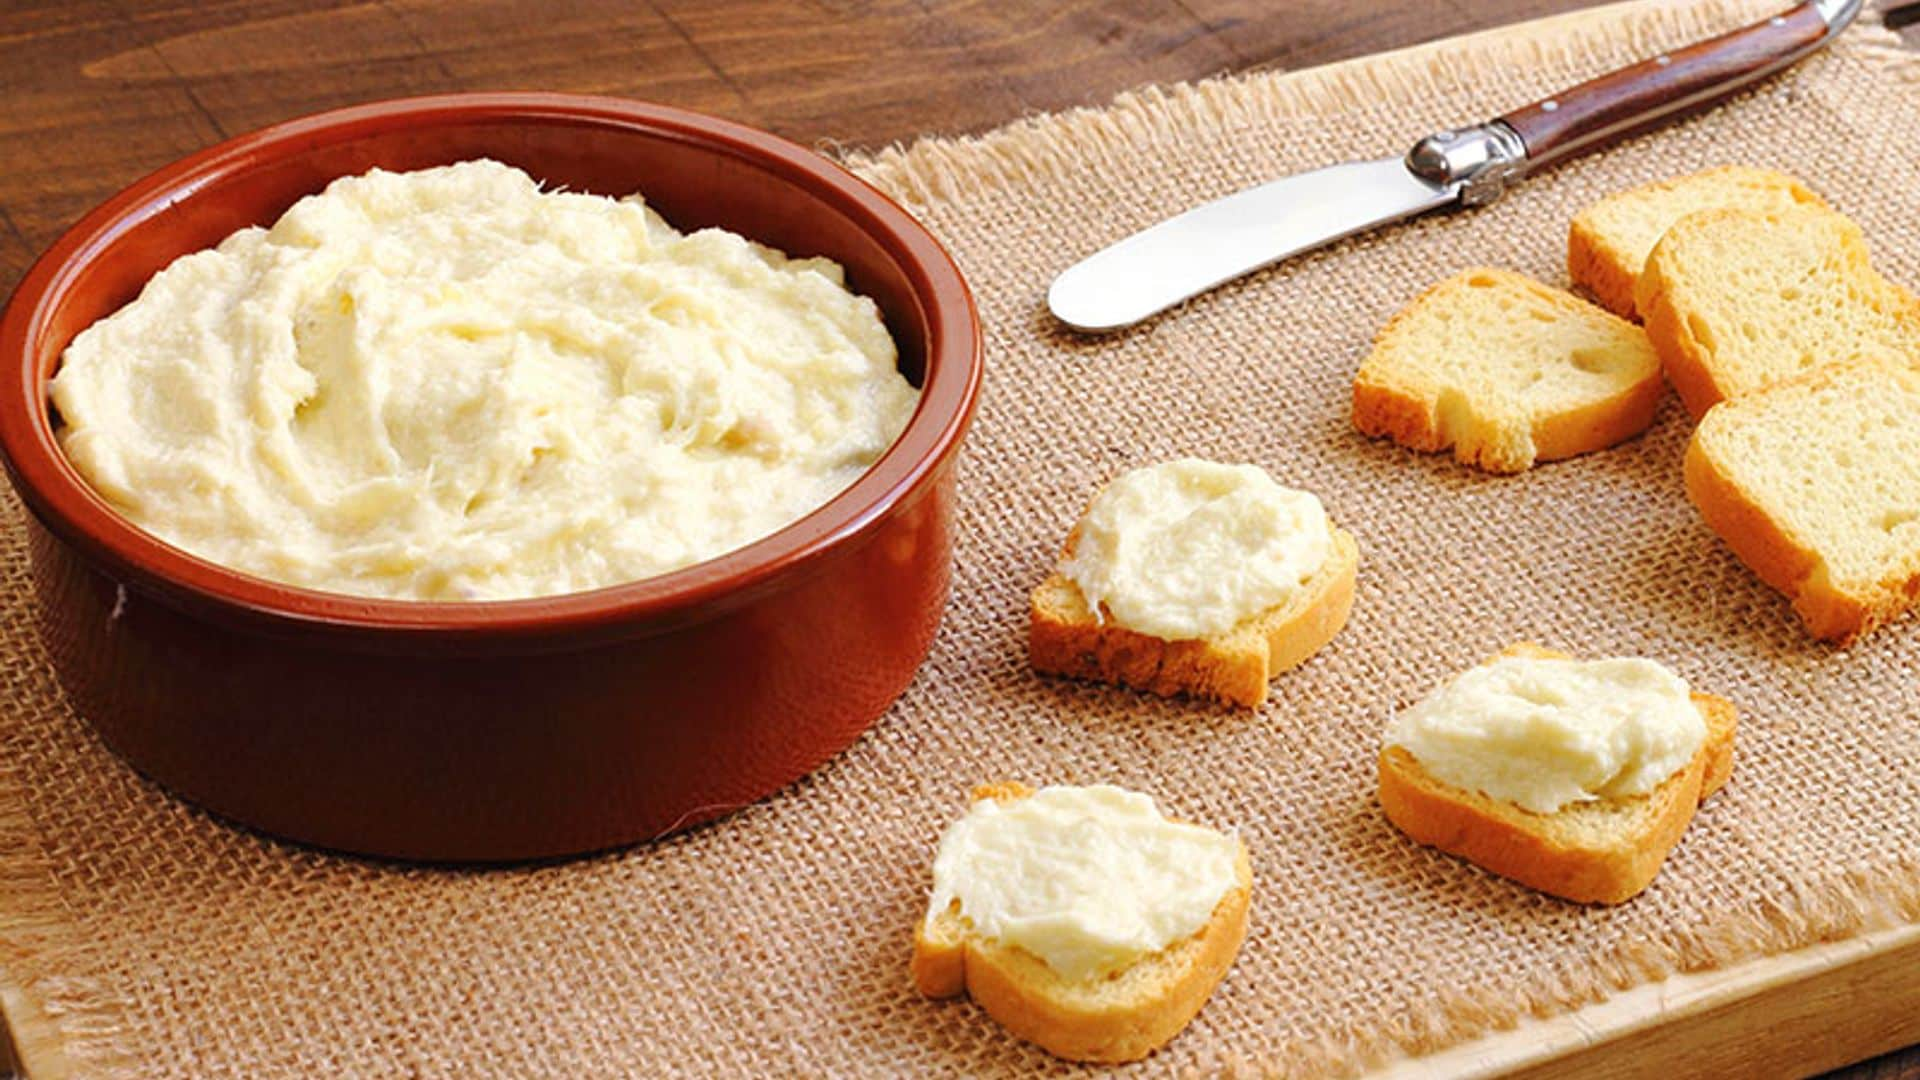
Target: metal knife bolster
x,y
1216,242
1479,162
1486,159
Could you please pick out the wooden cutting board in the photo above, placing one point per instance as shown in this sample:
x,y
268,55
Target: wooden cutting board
x,y
1795,1014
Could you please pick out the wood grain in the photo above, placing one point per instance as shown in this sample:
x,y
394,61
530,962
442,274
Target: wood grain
x,y
99,92
1787,1015
1587,116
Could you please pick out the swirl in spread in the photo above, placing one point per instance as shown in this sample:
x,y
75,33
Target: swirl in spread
x,y
1188,548
1544,733
452,385
1088,879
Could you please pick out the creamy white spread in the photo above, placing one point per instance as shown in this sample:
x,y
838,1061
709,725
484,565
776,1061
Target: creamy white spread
x,y
1546,733
1188,548
452,385
1088,879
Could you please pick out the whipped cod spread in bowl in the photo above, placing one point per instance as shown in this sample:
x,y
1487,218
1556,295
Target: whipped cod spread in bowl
x,y
450,384
488,476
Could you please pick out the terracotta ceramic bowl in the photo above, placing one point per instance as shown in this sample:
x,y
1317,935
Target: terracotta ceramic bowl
x,y
498,730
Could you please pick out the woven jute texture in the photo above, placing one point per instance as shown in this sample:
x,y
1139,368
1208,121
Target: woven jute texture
x,y
140,936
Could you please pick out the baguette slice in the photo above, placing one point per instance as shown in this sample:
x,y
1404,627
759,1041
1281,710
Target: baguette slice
x,y
1608,242
1737,300
1065,638
1602,852
1123,1017
1815,485
1507,372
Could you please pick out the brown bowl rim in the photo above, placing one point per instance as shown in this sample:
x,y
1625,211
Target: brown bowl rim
x,y
69,508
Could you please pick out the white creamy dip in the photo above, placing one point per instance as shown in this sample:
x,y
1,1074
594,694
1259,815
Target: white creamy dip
x,y
1088,879
1545,733
451,385
1188,548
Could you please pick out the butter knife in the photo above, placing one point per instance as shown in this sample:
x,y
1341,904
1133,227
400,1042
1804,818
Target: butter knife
x,y
1154,269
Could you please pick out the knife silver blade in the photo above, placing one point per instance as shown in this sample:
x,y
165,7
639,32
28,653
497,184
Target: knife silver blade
x,y
1183,256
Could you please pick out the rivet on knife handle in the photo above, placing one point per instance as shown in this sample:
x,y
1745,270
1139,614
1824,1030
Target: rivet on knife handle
x,y
1154,269
1601,110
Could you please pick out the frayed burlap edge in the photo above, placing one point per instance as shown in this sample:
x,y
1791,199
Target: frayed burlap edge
x,y
1051,147
1043,149
62,1024
1841,905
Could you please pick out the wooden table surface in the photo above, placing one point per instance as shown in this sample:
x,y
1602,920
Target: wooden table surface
x,y
95,93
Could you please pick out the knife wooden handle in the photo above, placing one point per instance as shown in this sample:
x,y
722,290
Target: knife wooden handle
x,y
1620,102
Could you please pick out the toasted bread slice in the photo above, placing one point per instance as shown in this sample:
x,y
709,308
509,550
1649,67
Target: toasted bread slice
x,y
1608,242
1603,852
1065,638
1737,300
1122,1017
1507,372
1815,485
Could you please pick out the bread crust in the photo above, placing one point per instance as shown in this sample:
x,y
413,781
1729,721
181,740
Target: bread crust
x,y
1521,845
1757,540
1065,638
1084,1021
1599,425
1381,410
1684,358
1384,410
1593,264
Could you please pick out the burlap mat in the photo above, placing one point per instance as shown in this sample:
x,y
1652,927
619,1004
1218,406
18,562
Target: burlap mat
x,y
142,937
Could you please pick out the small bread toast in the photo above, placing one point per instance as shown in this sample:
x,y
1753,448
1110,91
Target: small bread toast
x,y
1737,300
1065,638
1602,852
1608,242
1506,372
1121,1017
1815,484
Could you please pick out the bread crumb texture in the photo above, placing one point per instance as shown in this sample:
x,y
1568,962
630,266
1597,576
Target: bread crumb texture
x,y
1815,484
1608,242
1505,372
1738,299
